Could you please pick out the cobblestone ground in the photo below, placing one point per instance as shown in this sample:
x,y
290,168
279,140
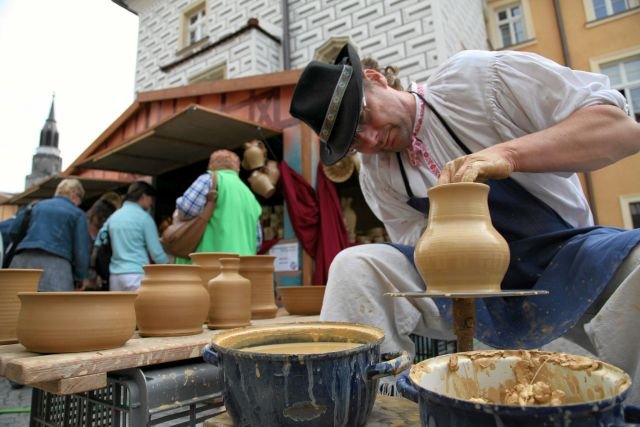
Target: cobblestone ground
x,y
11,399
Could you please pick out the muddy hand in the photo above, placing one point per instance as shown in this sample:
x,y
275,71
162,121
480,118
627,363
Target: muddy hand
x,y
478,166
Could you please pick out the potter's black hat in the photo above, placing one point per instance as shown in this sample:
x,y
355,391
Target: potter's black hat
x,y
328,98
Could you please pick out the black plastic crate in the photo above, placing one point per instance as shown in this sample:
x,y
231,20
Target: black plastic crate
x,y
427,348
172,394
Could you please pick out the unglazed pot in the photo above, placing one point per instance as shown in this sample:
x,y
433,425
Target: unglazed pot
x,y
230,297
67,322
209,263
171,301
261,184
272,171
254,156
460,251
259,270
12,281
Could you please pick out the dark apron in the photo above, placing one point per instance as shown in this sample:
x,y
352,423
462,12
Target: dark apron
x,y
573,264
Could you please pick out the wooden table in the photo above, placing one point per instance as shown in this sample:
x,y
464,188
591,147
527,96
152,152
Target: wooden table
x,y
71,373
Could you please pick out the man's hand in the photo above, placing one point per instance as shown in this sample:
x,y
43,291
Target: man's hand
x,y
480,166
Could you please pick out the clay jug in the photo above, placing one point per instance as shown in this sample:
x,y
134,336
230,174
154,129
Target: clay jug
x,y
259,270
254,156
171,301
12,281
350,218
230,297
460,251
209,263
272,171
260,184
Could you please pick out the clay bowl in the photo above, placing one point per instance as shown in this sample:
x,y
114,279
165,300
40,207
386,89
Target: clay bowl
x,y
12,281
302,300
67,322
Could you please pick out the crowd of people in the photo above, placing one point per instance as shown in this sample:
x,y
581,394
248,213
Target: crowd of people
x,y
57,236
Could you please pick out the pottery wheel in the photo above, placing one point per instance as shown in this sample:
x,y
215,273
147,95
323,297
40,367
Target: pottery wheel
x,y
464,309
483,294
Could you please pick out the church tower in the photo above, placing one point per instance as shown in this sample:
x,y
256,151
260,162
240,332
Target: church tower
x,y
47,160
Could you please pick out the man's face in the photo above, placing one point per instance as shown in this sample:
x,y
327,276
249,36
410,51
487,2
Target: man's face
x,y
384,126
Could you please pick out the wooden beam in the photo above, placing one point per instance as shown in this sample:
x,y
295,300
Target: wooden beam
x,y
74,385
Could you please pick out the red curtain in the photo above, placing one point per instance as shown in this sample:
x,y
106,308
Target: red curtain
x,y
316,218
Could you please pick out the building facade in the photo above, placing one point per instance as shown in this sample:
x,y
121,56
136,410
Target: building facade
x,y
593,35
185,42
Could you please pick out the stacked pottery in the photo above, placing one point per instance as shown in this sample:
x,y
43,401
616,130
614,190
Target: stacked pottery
x,y
261,184
171,301
254,156
230,297
12,281
209,263
460,251
259,270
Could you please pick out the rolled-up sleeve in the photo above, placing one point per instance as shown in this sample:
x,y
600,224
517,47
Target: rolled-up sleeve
x,y
535,93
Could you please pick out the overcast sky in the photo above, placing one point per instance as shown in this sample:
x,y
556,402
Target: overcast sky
x,y
84,51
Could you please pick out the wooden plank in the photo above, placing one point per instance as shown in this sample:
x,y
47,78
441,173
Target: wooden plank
x,y
10,352
31,368
74,385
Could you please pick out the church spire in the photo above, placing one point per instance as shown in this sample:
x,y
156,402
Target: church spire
x,y
49,133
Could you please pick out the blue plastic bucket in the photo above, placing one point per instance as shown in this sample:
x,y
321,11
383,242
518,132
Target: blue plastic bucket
x,y
469,389
336,388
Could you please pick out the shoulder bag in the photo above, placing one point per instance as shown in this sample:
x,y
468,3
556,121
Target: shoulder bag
x,y
183,236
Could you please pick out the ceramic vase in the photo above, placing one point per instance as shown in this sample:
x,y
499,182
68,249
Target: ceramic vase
x,y
209,263
460,251
254,156
272,171
230,297
171,301
69,322
259,270
12,281
261,184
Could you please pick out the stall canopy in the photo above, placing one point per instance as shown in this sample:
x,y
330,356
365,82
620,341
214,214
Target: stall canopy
x,y
93,187
183,139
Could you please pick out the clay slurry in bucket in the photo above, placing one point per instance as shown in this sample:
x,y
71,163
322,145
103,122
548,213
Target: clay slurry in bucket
x,y
302,348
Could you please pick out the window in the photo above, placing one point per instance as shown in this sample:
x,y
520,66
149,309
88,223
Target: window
x,y
630,205
194,24
604,8
625,77
511,25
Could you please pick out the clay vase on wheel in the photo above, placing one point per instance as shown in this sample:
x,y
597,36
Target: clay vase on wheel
x,y
460,251
12,281
171,301
259,270
230,297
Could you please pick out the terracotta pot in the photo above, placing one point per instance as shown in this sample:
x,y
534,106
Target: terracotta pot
x,y
302,300
67,322
460,251
272,171
254,156
259,270
260,184
12,281
230,297
209,263
171,301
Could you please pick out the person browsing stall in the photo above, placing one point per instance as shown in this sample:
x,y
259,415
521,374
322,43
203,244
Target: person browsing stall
x,y
524,125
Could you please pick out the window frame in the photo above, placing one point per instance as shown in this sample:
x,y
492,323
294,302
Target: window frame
x,y
625,208
618,58
491,15
632,6
186,26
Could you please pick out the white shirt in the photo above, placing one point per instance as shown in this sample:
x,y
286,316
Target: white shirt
x,y
486,98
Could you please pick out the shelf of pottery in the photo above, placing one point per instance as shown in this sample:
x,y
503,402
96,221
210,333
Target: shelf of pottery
x,y
271,221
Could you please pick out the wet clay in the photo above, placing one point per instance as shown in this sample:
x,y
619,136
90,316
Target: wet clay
x,y
532,378
302,347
